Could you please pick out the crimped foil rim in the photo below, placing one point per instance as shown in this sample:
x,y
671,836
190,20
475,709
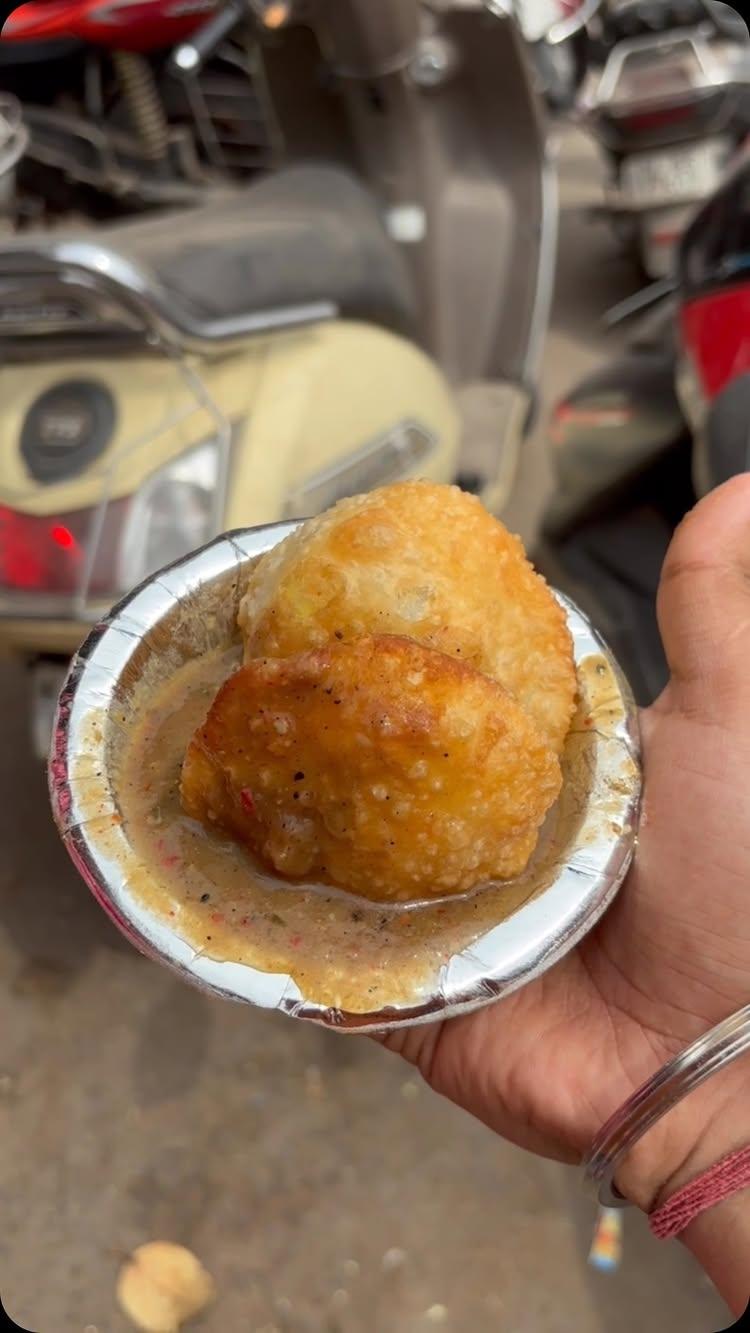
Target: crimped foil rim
x,y
506,957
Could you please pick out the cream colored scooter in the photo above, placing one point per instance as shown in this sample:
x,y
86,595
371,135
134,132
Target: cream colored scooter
x,y
338,324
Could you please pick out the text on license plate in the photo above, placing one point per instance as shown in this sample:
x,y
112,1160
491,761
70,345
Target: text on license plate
x,y
673,174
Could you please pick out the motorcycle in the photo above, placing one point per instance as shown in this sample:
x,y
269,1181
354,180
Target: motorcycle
x,y
668,109
110,111
322,331
637,443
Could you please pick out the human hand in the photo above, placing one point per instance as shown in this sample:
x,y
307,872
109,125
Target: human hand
x,y
547,1066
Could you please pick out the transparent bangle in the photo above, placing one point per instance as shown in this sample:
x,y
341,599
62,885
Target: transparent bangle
x,y
674,1081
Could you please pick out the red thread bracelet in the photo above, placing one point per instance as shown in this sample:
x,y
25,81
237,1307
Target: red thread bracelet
x,y
727,1177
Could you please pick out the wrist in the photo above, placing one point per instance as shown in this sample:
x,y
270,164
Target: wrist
x,y
710,1123
695,1135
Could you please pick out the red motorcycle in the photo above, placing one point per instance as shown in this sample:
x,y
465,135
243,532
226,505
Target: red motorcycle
x,y
114,103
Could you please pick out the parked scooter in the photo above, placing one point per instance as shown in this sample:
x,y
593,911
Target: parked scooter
x,y
668,109
660,426
316,334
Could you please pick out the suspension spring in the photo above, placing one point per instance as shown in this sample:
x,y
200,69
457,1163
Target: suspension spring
x,y
144,103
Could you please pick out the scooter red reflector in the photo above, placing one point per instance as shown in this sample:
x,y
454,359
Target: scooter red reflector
x,y
42,554
63,536
38,555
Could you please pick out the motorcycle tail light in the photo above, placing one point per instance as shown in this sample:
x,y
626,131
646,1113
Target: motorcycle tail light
x,y
50,553
655,119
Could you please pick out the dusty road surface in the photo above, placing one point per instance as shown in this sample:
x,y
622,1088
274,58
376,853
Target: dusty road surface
x,y
322,1185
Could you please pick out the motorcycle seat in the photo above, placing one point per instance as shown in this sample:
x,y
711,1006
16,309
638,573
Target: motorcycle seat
x,y
306,234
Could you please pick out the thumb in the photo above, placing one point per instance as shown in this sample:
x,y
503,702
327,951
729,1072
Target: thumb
x,y
704,604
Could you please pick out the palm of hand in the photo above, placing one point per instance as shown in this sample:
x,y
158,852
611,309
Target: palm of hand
x,y
546,1066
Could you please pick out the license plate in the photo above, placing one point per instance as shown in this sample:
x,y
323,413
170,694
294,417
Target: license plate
x,y
47,680
682,173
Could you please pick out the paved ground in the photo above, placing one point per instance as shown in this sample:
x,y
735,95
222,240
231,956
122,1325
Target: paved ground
x,y
323,1187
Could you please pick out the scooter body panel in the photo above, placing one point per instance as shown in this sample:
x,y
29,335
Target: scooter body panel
x,y
298,408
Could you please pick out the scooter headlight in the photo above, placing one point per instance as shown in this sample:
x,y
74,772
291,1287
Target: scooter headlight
x,y
177,508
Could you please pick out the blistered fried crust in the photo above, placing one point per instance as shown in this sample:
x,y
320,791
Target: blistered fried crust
x,y
428,562
382,766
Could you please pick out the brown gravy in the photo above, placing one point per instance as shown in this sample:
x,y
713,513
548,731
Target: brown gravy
x,y
343,952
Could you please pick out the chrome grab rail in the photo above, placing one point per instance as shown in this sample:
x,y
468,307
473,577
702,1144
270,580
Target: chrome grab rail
x,y
95,268
696,38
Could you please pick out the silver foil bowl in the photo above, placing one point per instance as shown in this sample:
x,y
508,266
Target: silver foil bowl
x,y
440,959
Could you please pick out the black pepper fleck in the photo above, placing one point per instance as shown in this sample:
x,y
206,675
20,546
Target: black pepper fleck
x,y
298,777
205,897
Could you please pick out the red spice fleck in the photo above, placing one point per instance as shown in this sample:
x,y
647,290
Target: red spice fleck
x,y
245,920
247,800
217,916
295,941
168,859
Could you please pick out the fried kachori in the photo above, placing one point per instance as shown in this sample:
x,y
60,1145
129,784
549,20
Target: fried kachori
x,y
428,562
379,764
